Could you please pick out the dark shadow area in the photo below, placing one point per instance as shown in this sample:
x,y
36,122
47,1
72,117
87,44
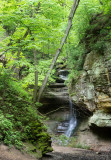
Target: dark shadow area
x,y
103,132
82,112
51,104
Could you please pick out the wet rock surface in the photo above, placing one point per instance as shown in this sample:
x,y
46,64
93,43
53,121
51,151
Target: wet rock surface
x,y
81,155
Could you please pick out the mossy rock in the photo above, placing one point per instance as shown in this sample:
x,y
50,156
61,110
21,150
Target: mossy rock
x,y
44,143
39,137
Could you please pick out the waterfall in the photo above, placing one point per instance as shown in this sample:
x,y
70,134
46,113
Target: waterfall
x,y
72,121
64,121
63,74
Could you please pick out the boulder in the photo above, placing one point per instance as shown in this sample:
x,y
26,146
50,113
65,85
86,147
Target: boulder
x,y
100,119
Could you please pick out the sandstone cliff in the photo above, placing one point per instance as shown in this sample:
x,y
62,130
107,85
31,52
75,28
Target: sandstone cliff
x,y
92,89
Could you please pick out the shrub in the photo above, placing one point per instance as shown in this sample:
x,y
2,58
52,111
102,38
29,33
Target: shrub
x,y
7,133
19,119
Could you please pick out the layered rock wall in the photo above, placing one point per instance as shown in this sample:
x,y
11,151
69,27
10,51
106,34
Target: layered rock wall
x,y
93,87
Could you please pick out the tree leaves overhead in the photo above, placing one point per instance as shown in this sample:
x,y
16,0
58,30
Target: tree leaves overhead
x,y
40,24
42,18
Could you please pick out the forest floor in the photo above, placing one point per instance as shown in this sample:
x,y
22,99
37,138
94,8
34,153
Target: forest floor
x,y
59,153
68,153
13,154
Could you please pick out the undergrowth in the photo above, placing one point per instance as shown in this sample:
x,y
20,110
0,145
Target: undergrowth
x,y
96,39
63,140
74,144
19,119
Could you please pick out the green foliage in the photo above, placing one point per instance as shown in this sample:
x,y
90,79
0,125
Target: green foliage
x,y
106,6
43,67
19,121
8,81
39,25
99,46
7,133
75,60
86,10
43,143
37,20
96,39
74,144
30,26
82,146
37,135
61,140
75,47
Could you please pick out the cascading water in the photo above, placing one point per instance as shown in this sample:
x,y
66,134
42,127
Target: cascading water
x,y
72,121
63,120
63,74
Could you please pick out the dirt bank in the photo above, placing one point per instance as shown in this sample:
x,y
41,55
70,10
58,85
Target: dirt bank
x,y
13,154
59,153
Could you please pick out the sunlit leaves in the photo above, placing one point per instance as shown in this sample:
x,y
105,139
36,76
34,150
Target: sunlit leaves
x,y
43,67
19,33
106,6
40,25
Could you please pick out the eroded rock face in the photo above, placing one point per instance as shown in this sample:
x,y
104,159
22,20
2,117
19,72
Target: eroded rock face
x,y
92,89
100,119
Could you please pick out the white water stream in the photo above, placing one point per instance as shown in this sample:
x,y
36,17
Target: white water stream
x,y
72,117
63,75
72,121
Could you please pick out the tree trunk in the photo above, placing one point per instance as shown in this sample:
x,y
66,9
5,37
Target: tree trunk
x,y
36,77
73,10
35,61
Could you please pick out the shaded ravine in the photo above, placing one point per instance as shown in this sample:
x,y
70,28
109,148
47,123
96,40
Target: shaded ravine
x,y
67,125
62,112
71,123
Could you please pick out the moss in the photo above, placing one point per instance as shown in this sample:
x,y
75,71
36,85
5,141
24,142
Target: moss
x,y
39,137
44,143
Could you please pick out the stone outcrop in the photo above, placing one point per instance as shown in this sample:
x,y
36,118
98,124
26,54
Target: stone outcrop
x,y
100,119
92,89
